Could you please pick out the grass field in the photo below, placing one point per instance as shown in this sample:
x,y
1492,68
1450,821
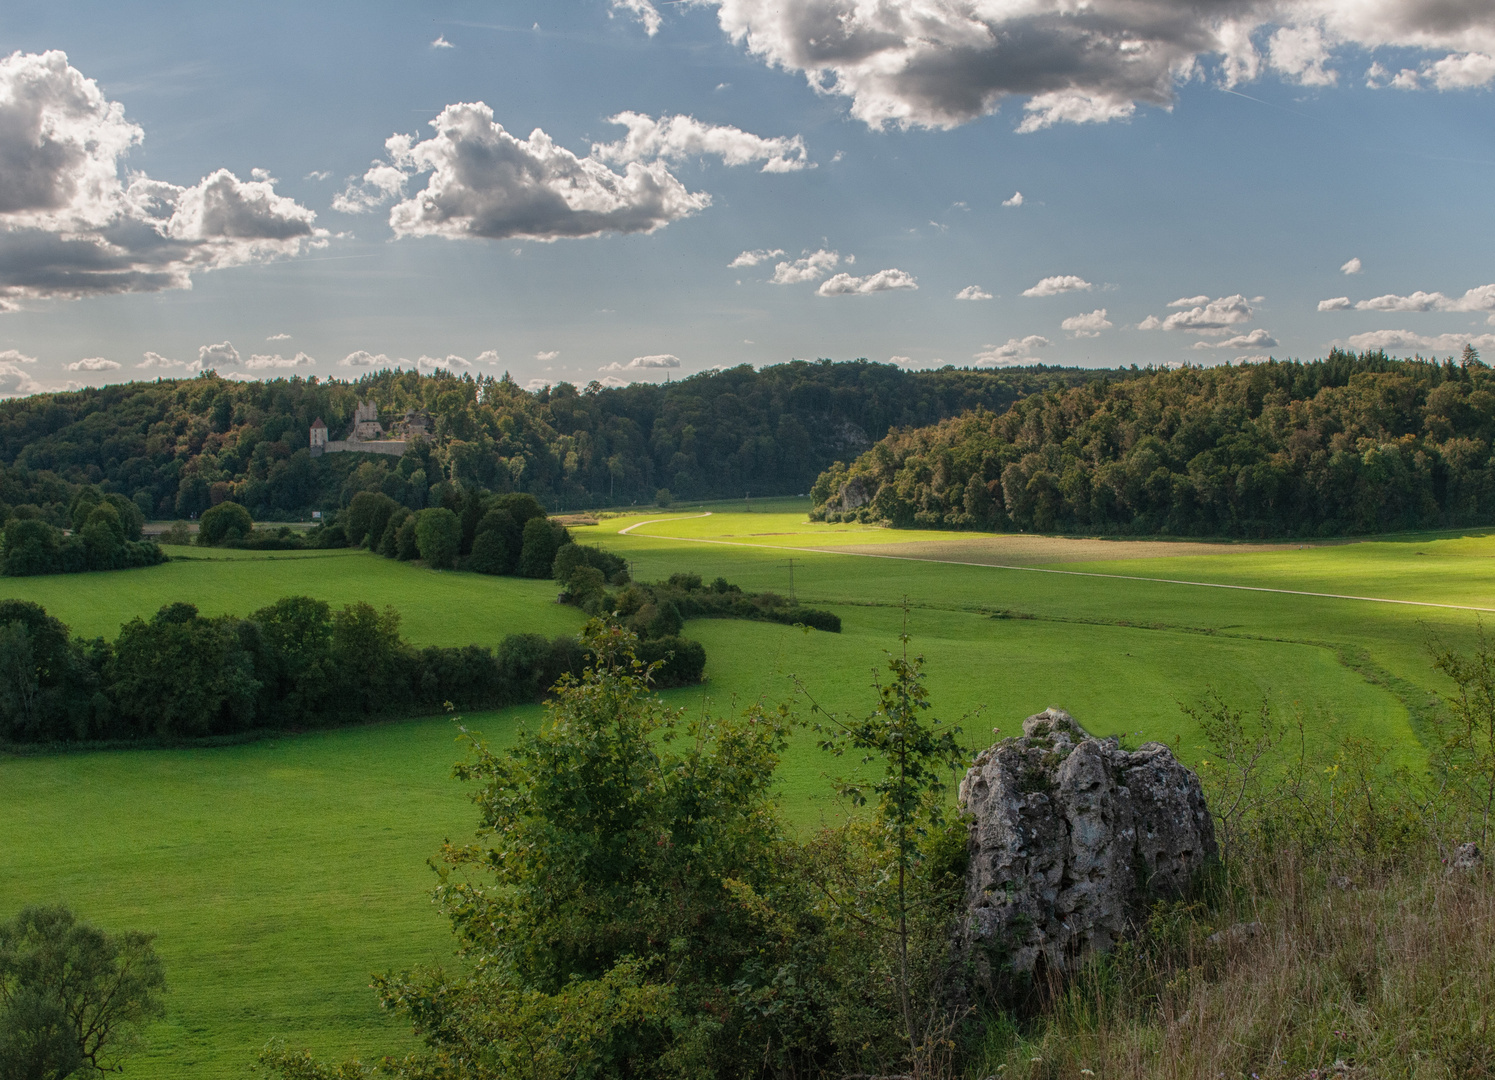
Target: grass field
x,y
279,874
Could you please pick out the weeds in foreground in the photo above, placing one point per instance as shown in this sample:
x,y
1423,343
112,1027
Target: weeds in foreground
x,y
1351,931
1297,976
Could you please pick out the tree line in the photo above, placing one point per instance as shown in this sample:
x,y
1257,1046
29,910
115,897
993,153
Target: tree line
x,y
1351,444
293,664
105,535
176,447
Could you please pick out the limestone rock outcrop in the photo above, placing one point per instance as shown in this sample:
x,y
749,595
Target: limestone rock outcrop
x,y
1071,839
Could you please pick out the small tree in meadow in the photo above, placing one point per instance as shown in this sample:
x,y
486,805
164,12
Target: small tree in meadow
x,y
914,759
72,997
438,535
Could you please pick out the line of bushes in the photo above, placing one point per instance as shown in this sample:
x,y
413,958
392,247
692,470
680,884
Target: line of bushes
x,y
484,533
661,608
296,663
105,535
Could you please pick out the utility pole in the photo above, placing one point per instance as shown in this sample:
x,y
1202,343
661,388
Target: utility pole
x,y
792,599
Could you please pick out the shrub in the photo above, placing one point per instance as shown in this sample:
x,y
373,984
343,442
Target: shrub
x,y
406,547
682,661
496,543
31,547
182,674
438,536
223,523
389,540
663,498
542,540
72,997
368,514
613,568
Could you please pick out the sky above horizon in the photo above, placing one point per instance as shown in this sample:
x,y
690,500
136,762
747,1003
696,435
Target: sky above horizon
x,y
628,190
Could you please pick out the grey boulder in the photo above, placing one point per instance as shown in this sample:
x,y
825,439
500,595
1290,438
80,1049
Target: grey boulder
x,y
1071,839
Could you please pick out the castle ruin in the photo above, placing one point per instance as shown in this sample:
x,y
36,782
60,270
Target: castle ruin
x,y
367,435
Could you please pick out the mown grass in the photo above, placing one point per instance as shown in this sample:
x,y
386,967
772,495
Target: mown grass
x,y
279,874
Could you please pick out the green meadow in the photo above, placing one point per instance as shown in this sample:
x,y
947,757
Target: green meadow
x,y
280,873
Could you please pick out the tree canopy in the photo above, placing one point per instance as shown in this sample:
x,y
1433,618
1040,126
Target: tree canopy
x,y
1350,444
176,447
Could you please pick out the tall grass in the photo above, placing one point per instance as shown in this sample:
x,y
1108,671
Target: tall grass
x,y
1314,974
1349,930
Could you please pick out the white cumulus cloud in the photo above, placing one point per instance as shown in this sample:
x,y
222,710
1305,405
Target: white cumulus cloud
x,y
1203,315
1456,71
1406,340
1016,200
1480,298
488,357
74,222
261,362
157,361
973,292
675,138
221,355
442,43
941,63
1301,52
1060,283
753,258
657,362
882,281
1354,266
1015,351
442,363
547,354
814,266
1256,339
642,10
94,363
361,358
1338,303
16,381
16,356
486,183
1088,325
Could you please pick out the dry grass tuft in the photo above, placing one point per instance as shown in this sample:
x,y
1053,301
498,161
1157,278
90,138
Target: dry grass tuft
x,y
1381,978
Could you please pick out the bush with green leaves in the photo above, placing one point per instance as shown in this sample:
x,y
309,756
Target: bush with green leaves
x,y
32,546
543,539
612,567
73,998
367,516
635,907
223,524
295,663
438,537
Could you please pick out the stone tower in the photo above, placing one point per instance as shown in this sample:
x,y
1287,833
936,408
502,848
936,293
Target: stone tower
x,y
318,437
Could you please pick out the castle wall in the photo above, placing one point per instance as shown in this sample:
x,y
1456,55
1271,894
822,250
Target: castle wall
x,y
390,447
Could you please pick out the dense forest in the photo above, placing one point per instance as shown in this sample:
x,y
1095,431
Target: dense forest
x,y
1350,444
177,447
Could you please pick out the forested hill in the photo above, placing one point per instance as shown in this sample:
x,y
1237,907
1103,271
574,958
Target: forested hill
x,y
178,446
1350,444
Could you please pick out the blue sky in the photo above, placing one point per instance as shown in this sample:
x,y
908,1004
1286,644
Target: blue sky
x,y
190,185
